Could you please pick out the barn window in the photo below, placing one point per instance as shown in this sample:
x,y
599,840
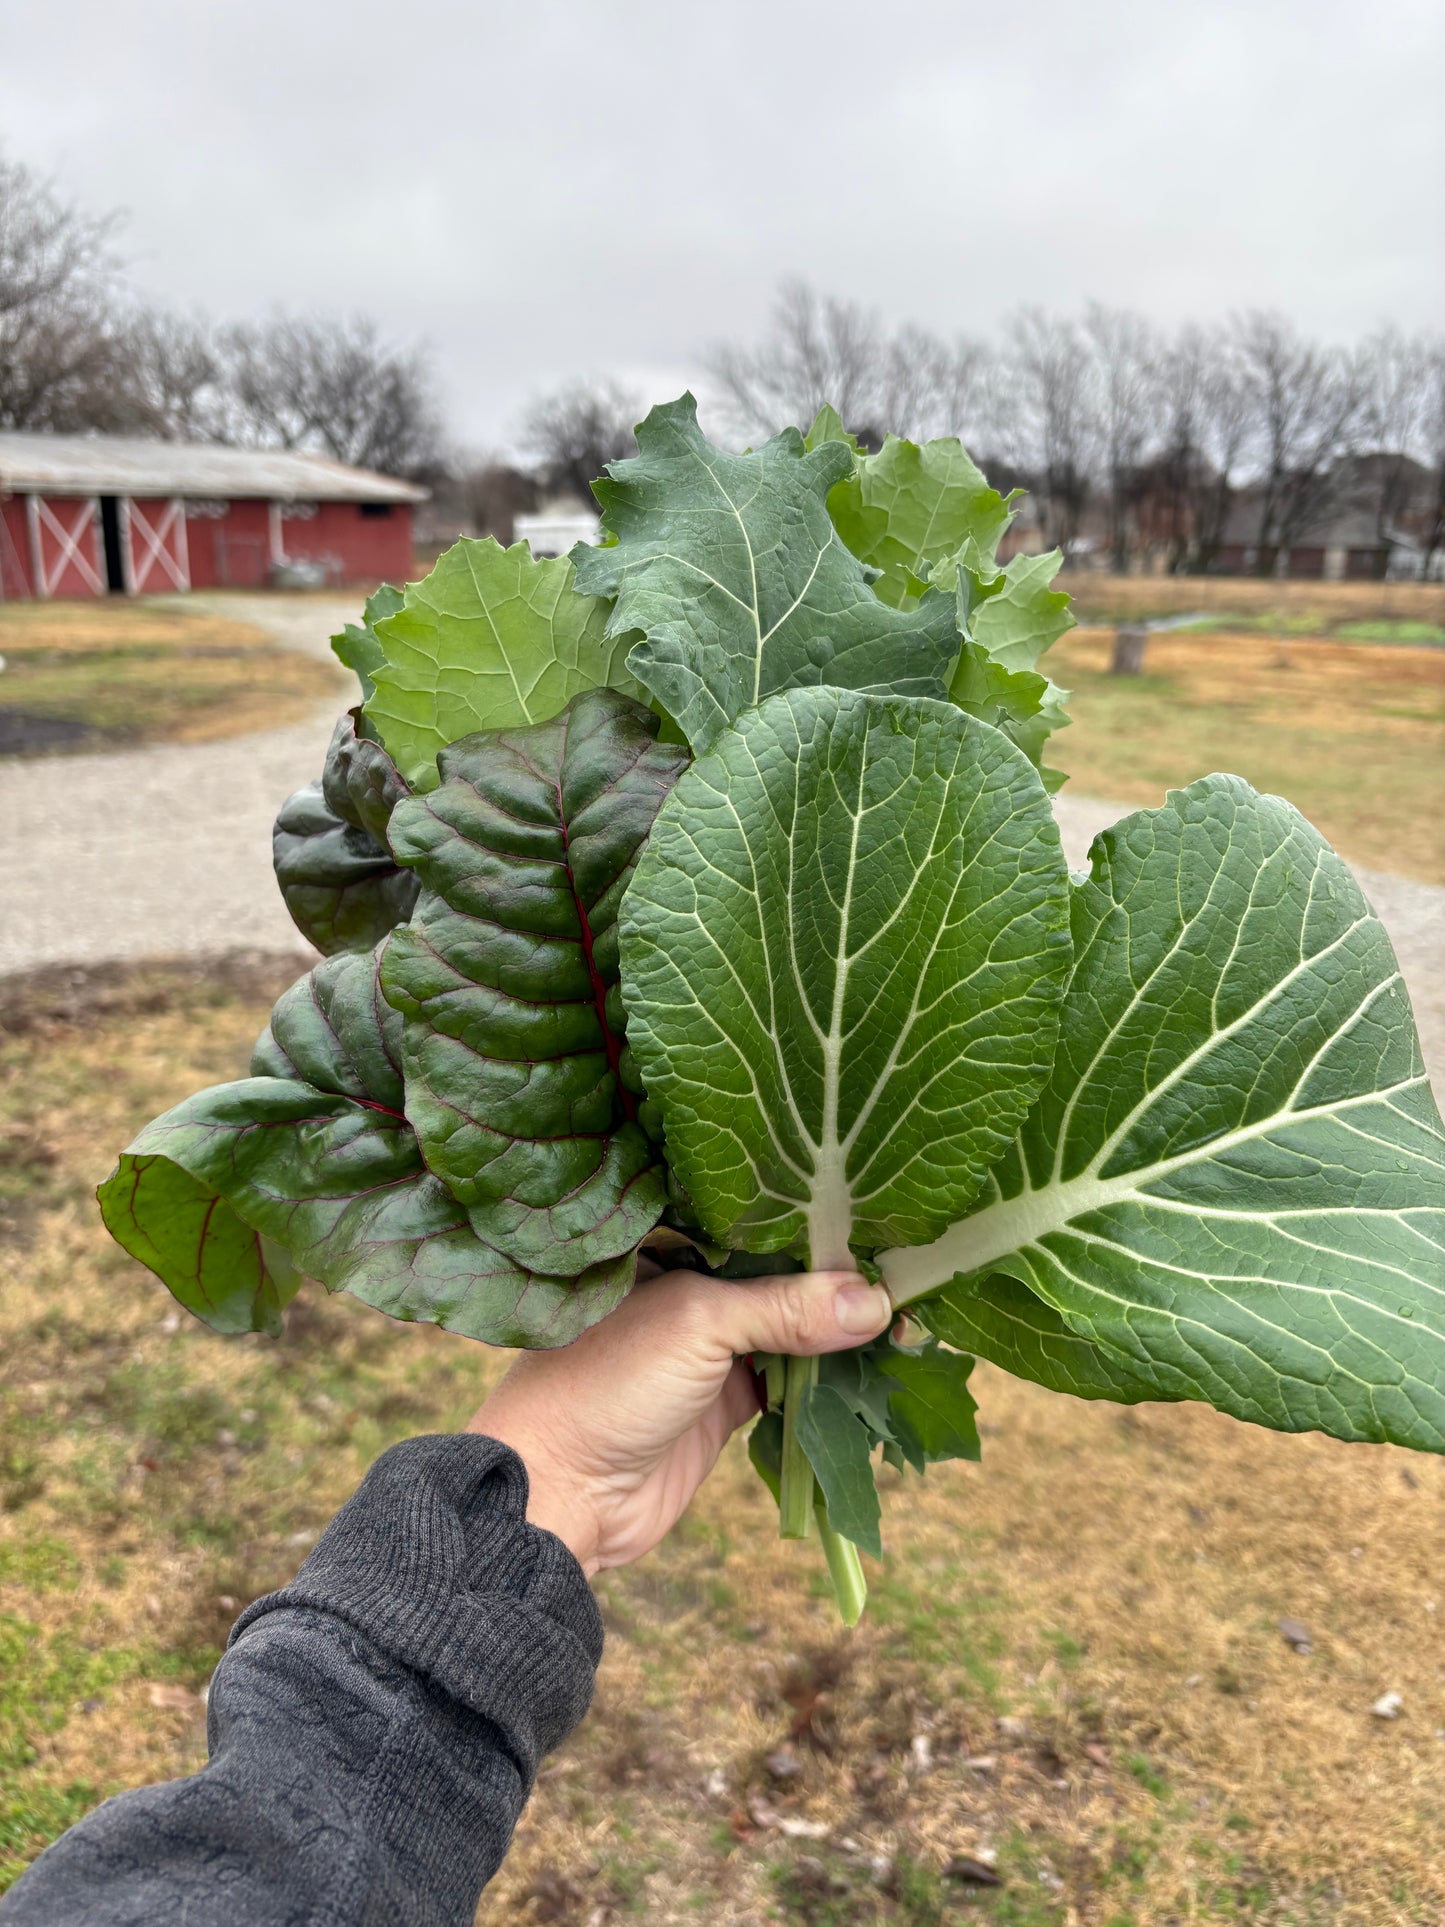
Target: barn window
x,y
376,510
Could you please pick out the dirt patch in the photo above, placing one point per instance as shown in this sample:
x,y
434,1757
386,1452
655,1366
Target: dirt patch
x,y
83,996
26,735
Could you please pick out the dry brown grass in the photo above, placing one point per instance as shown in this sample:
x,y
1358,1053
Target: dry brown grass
x,y
1352,733
1108,1583
1322,604
109,674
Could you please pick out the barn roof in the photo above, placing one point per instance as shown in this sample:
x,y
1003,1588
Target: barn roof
x,y
130,465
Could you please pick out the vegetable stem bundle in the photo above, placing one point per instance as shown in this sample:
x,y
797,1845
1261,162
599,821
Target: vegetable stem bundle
x,y
699,897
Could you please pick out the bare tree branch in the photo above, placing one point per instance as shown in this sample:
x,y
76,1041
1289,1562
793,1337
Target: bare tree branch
x,y
574,432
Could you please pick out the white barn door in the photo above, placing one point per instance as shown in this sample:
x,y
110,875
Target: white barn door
x,y
153,545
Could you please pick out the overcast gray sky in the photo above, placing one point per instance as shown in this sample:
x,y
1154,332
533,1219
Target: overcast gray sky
x,y
547,189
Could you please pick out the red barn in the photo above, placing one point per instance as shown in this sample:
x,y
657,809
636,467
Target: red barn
x,y
85,515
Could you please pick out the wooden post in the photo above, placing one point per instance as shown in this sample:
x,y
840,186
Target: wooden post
x,y
1129,645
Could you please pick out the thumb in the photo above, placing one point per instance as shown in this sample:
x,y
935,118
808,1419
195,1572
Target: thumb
x,y
806,1313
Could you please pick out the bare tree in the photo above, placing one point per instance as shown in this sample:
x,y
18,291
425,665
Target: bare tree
x,y
1125,371
175,374
574,432
1049,364
61,366
1433,441
1395,382
1304,399
1205,419
335,386
818,352
821,352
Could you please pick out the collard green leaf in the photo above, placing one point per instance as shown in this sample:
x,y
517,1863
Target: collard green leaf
x,y
931,1409
765,1449
836,1445
179,1227
907,507
515,1040
997,1318
357,645
340,882
1233,1184
331,1172
491,639
843,955
730,568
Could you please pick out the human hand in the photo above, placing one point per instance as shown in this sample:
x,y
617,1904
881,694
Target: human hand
x,y
619,1429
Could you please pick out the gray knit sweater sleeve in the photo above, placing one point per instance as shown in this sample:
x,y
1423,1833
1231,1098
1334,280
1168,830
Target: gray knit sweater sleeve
x,y
375,1728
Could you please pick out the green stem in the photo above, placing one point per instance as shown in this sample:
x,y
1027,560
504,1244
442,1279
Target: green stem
x,y
845,1569
795,1496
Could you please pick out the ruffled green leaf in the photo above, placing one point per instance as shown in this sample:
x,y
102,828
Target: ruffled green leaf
x,y
908,507
491,639
357,645
729,567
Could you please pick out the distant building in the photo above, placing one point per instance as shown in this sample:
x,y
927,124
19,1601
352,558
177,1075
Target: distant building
x,y
557,525
1340,543
86,515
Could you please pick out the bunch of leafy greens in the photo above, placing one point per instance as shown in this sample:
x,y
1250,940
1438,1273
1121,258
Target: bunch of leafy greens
x,y
700,895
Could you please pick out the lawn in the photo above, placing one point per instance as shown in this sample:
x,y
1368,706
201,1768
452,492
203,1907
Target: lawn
x,y
1353,733
102,675
1071,1670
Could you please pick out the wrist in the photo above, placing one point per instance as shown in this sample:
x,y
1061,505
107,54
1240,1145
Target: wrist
x,y
556,1501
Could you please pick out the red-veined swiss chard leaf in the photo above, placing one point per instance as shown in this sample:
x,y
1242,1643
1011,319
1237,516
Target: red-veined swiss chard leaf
x,y
517,1077
314,1154
341,884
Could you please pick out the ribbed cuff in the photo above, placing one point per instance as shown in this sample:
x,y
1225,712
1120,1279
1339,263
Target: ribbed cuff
x,y
433,1560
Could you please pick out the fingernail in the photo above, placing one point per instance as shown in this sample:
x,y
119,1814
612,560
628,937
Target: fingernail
x,y
862,1308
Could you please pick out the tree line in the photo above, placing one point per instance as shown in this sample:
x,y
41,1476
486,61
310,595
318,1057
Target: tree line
x,y
1147,436
78,353
1135,443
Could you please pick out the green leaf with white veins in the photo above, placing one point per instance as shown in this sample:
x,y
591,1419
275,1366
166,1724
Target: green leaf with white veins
x,y
491,638
907,507
732,571
1012,613
1233,1186
842,958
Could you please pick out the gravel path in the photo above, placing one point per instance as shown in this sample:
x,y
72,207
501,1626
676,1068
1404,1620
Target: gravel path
x,y
166,851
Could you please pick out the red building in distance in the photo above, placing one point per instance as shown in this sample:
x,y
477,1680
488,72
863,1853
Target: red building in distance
x,y
87,515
